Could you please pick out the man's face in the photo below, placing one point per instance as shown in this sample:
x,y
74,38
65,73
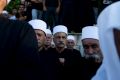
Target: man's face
x,y
91,47
40,38
48,39
60,39
117,40
70,44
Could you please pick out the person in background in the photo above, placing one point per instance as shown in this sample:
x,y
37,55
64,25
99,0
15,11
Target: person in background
x,y
49,38
18,50
108,23
93,56
67,62
51,10
46,57
71,42
37,9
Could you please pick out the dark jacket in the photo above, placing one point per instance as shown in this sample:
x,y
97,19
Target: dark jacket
x,y
18,51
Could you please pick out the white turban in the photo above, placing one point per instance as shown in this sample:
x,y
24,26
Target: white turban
x,y
107,21
48,31
70,37
38,24
60,28
90,32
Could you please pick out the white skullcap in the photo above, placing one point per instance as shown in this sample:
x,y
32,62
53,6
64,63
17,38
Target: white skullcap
x,y
90,32
38,24
48,31
4,12
60,28
70,37
108,20
8,1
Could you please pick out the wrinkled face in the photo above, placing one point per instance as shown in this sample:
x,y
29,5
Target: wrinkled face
x,y
60,39
91,46
48,39
70,44
40,38
117,40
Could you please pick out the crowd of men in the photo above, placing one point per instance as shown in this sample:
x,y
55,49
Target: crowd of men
x,y
31,51
74,14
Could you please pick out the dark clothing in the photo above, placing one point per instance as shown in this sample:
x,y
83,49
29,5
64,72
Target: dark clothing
x,y
19,59
38,6
89,68
51,3
70,70
49,63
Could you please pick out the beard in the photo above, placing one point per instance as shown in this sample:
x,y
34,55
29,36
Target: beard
x,y
94,56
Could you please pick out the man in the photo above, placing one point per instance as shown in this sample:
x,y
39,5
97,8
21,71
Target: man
x,y
37,9
49,38
70,42
40,29
67,62
109,31
46,57
18,50
51,8
93,56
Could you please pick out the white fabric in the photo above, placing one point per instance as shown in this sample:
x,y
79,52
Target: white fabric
x,y
70,37
4,12
107,20
48,31
60,28
38,24
8,1
90,32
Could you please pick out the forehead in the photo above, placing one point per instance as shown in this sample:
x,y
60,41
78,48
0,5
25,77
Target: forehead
x,y
90,41
70,40
60,34
39,31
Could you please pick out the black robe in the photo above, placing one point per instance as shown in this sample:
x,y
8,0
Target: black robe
x,y
19,58
70,70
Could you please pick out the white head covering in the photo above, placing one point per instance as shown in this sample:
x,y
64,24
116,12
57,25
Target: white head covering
x,y
107,20
8,1
70,37
48,31
60,28
38,24
4,12
90,32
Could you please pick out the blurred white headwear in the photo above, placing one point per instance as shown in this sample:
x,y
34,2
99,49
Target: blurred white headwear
x,y
38,24
90,32
109,19
48,31
4,12
8,1
60,28
70,37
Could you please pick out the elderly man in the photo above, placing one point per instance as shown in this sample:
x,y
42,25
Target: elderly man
x,y
67,62
46,57
49,38
109,31
71,42
40,29
93,56
19,58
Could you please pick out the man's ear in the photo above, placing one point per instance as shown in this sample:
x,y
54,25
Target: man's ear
x,y
116,33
